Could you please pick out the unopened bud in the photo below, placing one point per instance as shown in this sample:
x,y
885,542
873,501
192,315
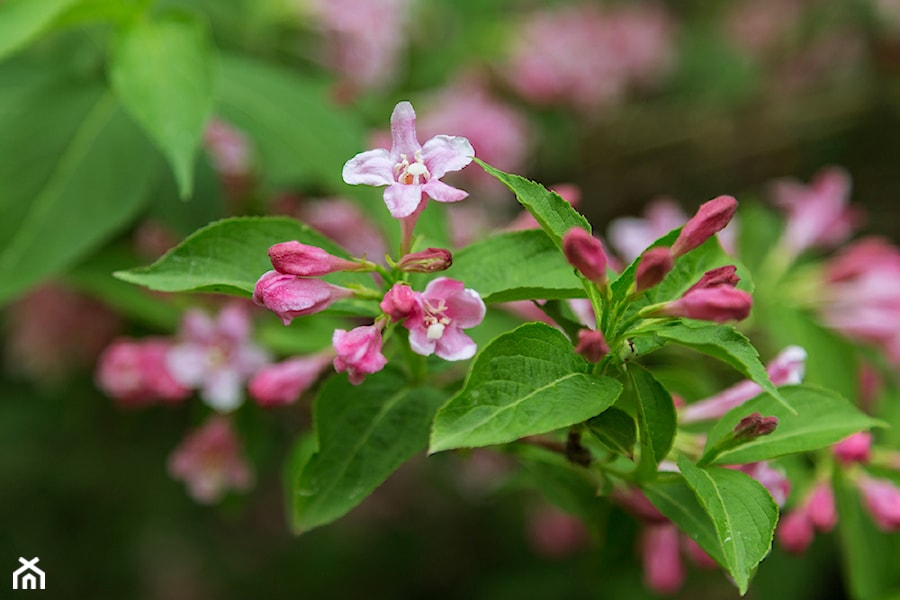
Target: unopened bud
x,y
592,345
654,266
399,302
719,304
854,448
711,218
754,426
726,275
430,260
585,253
294,258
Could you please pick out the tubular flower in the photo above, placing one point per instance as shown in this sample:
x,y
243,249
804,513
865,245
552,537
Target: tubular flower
x,y
294,258
719,304
358,352
134,372
282,383
442,311
289,296
882,499
410,169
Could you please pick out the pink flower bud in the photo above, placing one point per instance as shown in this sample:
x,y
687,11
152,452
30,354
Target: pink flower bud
x,y
718,304
585,253
795,532
698,554
289,296
282,383
399,302
722,276
663,570
430,260
711,218
294,258
358,352
135,374
754,426
882,499
820,507
592,345
854,448
654,266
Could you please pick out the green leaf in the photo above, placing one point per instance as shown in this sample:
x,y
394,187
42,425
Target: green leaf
x,y
726,344
526,382
22,21
656,419
229,256
615,429
163,70
364,434
555,215
74,170
519,265
670,494
743,515
293,123
566,486
822,418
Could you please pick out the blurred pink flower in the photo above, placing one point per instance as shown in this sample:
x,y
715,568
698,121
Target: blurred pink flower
x,y
882,499
228,149
588,57
358,352
630,236
345,223
555,534
758,26
410,170
661,556
795,532
854,448
134,372
443,310
216,356
282,383
210,461
772,479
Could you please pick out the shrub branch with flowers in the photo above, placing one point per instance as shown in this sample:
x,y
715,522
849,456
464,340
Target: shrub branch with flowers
x,y
577,391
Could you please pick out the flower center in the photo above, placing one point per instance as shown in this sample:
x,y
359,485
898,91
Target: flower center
x,y
436,319
411,173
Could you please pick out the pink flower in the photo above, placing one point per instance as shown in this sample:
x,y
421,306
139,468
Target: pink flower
x,y
882,499
592,345
854,448
210,461
228,149
282,383
410,169
785,369
134,372
294,258
399,302
216,356
289,296
654,266
358,352
585,253
820,507
817,215
719,304
661,557
345,223
711,217
795,532
443,310
774,480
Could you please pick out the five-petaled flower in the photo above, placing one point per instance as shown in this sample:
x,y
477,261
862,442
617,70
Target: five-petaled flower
x,y
410,169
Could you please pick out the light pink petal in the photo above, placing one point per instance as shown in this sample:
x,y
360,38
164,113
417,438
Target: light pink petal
x,y
234,322
420,343
403,130
372,167
467,308
442,192
443,287
402,200
187,363
249,359
222,390
445,153
197,326
455,345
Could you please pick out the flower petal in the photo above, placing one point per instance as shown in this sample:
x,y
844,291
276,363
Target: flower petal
x,y
402,200
442,192
444,153
222,390
187,363
403,130
455,345
420,342
467,307
372,167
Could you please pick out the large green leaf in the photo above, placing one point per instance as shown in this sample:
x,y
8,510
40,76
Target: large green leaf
x,y
743,514
526,382
726,344
73,170
364,433
519,265
22,21
656,419
822,418
229,256
163,70
555,215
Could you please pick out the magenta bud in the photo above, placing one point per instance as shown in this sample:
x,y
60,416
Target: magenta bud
x,y
854,448
430,260
719,304
289,296
399,302
795,532
591,345
754,426
654,266
882,499
711,218
282,383
820,507
585,253
726,275
294,258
